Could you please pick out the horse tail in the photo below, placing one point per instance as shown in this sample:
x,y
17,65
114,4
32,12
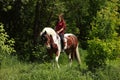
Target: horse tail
x,y
78,55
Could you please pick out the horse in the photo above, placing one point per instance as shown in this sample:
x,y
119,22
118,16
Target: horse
x,y
52,42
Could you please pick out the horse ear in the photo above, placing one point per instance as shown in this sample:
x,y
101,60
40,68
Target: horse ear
x,y
50,35
45,32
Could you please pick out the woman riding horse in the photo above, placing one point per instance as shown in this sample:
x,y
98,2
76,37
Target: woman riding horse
x,y
53,44
60,29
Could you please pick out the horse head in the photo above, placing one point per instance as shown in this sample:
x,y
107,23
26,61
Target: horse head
x,y
45,38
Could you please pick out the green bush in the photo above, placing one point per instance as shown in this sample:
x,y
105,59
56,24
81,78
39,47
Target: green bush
x,y
111,71
99,51
97,54
6,44
40,53
104,41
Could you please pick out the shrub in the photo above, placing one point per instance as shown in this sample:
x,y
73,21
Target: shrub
x,y
40,53
6,44
104,40
99,51
97,54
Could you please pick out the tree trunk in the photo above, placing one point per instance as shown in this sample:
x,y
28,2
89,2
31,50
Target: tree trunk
x,y
36,24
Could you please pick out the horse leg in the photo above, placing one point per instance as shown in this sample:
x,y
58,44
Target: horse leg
x,y
56,58
77,55
51,57
52,60
70,58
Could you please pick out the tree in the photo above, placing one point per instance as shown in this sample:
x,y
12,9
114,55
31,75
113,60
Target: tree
x,y
103,43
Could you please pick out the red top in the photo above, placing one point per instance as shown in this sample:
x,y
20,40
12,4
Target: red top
x,y
61,24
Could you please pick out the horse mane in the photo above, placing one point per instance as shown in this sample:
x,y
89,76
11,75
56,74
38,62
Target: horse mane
x,y
49,31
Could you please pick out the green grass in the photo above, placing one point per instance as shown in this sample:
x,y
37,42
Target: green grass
x,y
12,69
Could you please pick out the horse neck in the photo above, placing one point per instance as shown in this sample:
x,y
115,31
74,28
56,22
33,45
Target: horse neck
x,y
54,35
51,39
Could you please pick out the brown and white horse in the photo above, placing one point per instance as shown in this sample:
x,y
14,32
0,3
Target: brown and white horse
x,y
53,44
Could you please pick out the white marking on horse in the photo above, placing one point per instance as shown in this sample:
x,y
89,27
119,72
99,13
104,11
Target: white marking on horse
x,y
65,42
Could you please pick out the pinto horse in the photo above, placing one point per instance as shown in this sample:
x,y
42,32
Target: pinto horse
x,y
53,44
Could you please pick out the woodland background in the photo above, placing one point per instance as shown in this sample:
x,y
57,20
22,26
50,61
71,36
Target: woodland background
x,y
96,23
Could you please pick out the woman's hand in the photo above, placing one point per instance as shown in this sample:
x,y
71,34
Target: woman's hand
x,y
60,31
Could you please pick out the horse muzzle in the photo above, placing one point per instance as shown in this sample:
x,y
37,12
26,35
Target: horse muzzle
x,y
48,46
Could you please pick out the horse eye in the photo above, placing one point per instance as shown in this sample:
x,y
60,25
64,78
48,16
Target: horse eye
x,y
43,38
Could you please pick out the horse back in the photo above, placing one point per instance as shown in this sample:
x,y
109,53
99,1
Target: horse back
x,y
72,40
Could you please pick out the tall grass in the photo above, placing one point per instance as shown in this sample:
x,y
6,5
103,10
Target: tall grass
x,y
13,69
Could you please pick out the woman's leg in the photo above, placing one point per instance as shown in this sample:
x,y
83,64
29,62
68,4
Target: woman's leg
x,y
62,41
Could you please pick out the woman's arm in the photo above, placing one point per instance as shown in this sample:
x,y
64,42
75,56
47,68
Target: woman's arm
x,y
60,30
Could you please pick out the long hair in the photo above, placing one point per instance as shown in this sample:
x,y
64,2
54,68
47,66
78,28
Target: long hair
x,y
62,19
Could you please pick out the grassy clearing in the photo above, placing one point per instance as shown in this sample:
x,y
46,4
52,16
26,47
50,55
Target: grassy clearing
x,y
12,69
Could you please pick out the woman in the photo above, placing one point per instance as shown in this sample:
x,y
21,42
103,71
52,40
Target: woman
x,y
60,29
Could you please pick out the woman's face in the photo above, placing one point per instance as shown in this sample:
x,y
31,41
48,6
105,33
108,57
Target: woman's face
x,y
60,18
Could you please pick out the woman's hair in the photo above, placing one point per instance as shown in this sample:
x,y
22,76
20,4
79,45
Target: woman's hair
x,y
61,16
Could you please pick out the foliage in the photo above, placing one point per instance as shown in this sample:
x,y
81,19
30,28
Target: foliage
x,y
106,22
6,44
97,54
104,40
111,70
78,20
40,54
100,51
